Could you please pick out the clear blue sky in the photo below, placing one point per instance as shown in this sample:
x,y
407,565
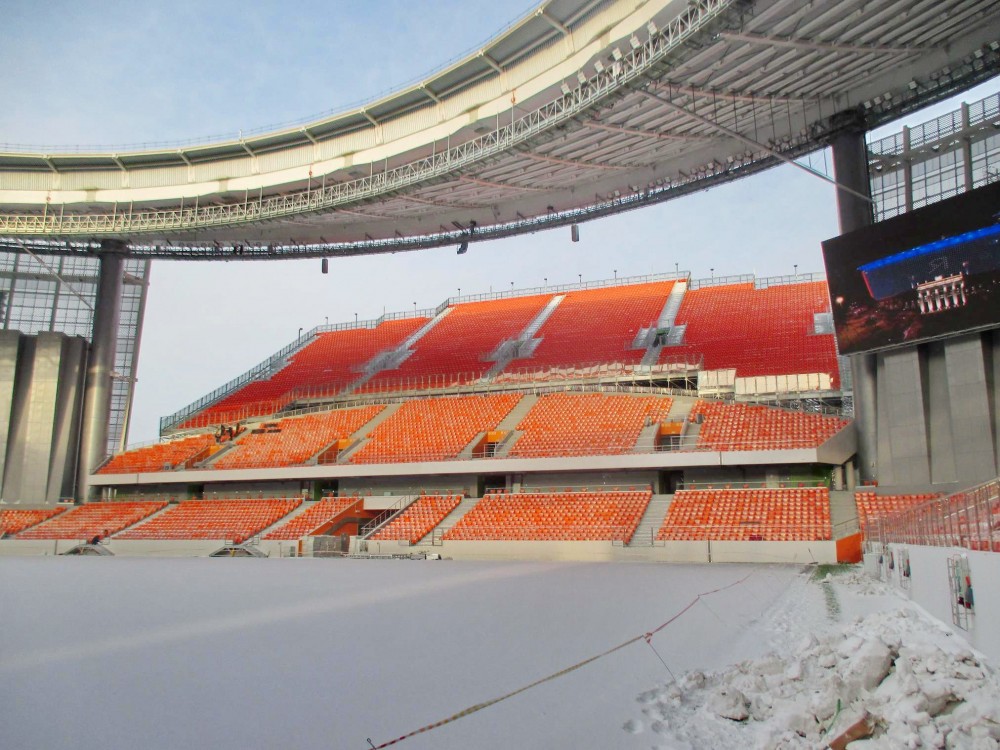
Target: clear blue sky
x,y
123,73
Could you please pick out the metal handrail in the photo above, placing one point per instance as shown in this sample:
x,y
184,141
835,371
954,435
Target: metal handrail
x,y
969,518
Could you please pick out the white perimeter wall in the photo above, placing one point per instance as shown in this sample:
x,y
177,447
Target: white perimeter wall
x,y
928,587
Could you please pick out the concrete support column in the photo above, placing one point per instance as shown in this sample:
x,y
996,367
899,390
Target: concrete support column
x,y
100,365
850,166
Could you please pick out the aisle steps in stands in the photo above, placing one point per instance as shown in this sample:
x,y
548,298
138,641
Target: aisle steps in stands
x,y
651,521
524,344
305,506
511,421
361,436
843,513
647,438
450,520
392,359
666,321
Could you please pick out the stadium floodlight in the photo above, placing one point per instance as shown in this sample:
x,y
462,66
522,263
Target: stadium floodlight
x,y
325,265
565,89
616,54
598,66
581,77
574,232
634,41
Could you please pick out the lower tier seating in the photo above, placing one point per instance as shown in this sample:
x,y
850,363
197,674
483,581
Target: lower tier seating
x,y
93,520
435,428
291,441
746,427
15,521
308,521
872,505
553,516
771,515
160,457
234,520
583,424
418,519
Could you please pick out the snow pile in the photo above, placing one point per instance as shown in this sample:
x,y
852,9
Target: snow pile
x,y
917,685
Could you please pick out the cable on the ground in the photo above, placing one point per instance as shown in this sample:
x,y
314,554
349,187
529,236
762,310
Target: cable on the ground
x,y
647,637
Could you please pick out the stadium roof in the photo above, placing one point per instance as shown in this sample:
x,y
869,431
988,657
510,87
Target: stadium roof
x,y
581,109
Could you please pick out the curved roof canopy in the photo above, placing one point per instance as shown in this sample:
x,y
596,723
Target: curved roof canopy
x,y
583,108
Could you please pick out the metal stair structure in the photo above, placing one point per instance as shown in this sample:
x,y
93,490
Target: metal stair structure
x,y
525,342
456,515
393,358
651,521
666,321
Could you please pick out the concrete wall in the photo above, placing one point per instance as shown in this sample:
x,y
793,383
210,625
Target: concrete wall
x,y
937,418
928,587
43,427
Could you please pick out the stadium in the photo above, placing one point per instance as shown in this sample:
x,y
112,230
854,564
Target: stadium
x,y
545,438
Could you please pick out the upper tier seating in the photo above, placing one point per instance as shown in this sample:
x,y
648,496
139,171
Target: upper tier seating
x,y
318,515
93,519
872,505
748,515
327,365
434,429
418,519
744,427
15,521
160,457
597,325
584,424
553,516
293,440
757,331
454,351
235,520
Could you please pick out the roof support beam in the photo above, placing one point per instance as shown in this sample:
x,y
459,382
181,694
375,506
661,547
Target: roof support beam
x,y
310,136
569,162
776,41
501,185
749,141
646,133
490,61
430,94
552,22
368,117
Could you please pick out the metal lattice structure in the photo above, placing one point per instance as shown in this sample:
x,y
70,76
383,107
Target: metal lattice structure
x,y
941,158
57,294
582,109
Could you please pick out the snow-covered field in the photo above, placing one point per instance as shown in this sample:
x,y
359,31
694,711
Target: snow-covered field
x,y
301,653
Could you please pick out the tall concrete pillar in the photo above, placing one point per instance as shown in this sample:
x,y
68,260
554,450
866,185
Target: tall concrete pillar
x,y
850,167
100,365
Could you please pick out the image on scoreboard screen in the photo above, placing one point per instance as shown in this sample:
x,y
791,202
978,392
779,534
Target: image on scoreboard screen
x,y
931,273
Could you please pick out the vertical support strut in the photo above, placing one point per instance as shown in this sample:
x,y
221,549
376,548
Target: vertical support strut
x,y
100,365
850,167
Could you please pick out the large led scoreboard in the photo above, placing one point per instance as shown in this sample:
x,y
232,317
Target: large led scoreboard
x,y
926,274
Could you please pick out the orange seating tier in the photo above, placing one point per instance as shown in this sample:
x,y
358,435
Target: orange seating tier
x,y
324,367
744,427
160,457
749,515
93,519
597,325
292,440
418,519
308,521
553,516
16,521
454,351
435,428
757,331
871,505
234,520
580,424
